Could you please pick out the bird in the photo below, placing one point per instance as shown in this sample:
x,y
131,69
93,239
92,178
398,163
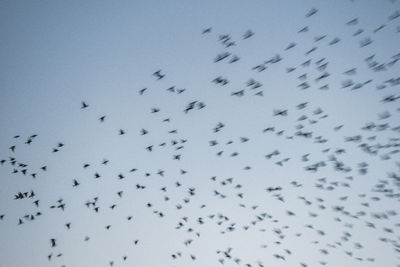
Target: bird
x,y
207,30
158,74
312,12
248,34
84,105
141,91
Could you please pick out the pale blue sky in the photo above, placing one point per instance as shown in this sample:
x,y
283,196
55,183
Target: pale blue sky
x,y
55,54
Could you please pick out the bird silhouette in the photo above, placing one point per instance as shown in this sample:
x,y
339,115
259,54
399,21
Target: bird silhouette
x,y
84,105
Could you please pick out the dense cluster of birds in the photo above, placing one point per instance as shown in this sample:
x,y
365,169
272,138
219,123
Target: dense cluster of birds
x,y
226,203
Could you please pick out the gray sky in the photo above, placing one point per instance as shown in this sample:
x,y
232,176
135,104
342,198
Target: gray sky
x,y
56,54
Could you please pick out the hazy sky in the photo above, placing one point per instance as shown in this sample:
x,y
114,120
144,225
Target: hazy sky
x,y
56,54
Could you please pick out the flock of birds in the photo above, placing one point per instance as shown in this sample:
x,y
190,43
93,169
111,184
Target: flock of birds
x,y
226,203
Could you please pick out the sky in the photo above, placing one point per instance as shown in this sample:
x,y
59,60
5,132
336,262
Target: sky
x,y
225,180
